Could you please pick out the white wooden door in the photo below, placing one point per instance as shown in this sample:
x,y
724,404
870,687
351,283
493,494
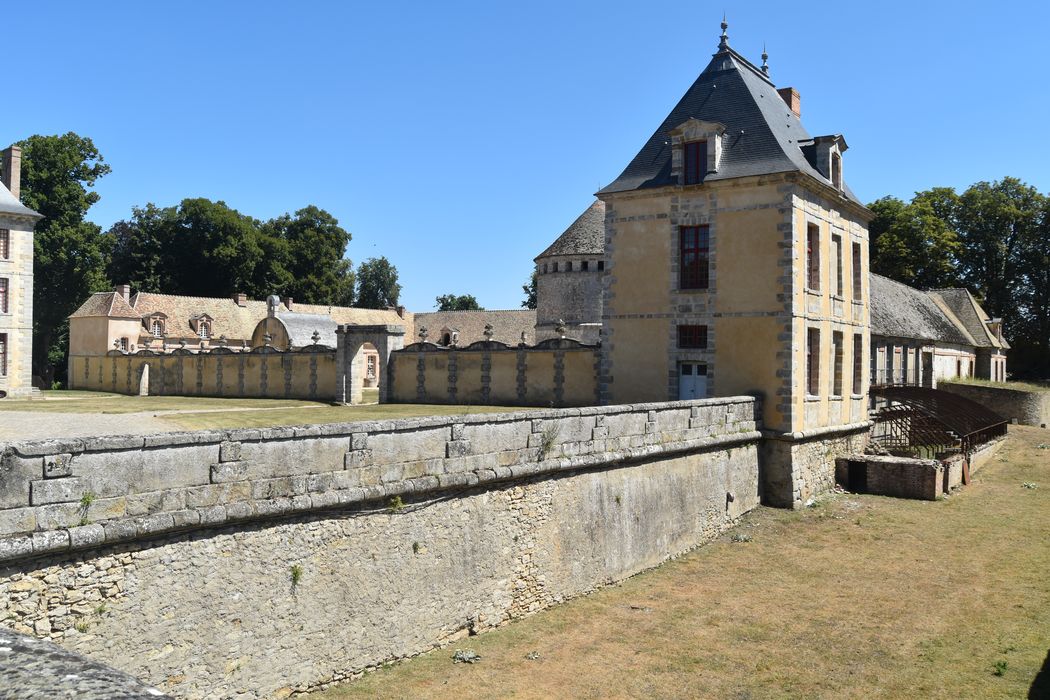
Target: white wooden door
x,y
692,381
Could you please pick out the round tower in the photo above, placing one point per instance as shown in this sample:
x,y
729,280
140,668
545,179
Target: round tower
x,y
569,280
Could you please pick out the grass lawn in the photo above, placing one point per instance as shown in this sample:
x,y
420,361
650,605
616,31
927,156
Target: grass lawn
x,y
199,413
857,597
1019,386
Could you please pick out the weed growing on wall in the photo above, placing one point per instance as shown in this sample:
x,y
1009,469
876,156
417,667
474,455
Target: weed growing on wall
x,y
297,574
547,439
396,504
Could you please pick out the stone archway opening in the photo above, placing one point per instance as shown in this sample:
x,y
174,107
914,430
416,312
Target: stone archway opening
x,y
367,357
355,345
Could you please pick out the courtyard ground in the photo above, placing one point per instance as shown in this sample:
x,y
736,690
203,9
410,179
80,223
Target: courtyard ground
x,y
857,597
83,413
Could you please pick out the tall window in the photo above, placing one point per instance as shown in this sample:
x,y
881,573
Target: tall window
x,y
3,354
858,380
5,244
836,252
813,257
203,330
836,356
3,296
857,284
692,337
813,362
584,265
157,328
693,257
123,344
695,153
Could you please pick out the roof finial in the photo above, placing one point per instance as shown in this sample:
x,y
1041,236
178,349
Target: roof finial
x,y
765,59
724,43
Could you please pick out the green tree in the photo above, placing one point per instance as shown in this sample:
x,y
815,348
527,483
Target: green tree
x,y
314,245
69,252
462,302
912,244
377,286
1031,334
530,293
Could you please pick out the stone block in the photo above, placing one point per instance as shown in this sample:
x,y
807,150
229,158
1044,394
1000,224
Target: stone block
x,y
318,483
229,471
229,451
457,448
357,458
408,446
294,457
120,530
185,518
14,547
155,524
493,437
205,496
371,476
56,466
15,475
392,473
44,491
212,515
50,541
599,433
359,441
59,515
15,520
457,431
240,510
283,486
156,502
87,535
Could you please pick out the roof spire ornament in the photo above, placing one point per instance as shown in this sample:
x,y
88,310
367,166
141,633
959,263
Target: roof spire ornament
x,y
724,42
765,59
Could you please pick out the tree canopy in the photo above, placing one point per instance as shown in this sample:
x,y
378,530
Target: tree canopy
x,y
993,239
530,293
377,286
462,302
70,253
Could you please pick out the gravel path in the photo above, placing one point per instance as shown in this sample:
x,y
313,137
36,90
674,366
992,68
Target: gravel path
x,y
35,425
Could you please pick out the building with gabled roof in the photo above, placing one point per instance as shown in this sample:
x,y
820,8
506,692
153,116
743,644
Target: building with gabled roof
x,y
17,222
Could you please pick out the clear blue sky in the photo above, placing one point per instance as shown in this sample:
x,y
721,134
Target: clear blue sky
x,y
460,138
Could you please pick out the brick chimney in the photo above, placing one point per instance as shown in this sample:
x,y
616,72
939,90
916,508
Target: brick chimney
x,y
123,290
11,165
401,311
241,299
288,302
790,96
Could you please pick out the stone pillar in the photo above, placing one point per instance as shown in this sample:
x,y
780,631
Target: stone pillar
x,y
350,365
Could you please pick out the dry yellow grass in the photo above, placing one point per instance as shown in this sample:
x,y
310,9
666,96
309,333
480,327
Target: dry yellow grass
x,y
859,597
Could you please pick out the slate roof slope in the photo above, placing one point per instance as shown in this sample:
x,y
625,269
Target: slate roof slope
x,y
355,316
9,204
507,325
900,311
108,304
762,133
586,235
970,314
301,328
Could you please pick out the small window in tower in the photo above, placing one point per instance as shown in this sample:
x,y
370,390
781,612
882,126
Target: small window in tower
x,y
813,257
695,166
584,265
601,265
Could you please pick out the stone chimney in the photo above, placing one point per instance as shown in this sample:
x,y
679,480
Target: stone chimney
x,y
11,165
123,290
288,302
241,299
790,96
401,311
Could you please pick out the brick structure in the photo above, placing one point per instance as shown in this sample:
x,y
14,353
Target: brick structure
x,y
16,280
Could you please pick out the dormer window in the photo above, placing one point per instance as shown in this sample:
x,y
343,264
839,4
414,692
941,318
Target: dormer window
x,y
203,330
695,165
156,328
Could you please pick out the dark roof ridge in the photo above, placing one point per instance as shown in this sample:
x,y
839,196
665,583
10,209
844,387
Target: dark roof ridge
x,y
747,64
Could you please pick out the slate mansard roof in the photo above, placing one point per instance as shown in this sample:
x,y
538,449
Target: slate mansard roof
x,y
762,134
9,204
586,235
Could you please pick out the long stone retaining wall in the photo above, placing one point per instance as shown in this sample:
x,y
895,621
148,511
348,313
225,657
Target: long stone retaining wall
x,y
250,563
1026,407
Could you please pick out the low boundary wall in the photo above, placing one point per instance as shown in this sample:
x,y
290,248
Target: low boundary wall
x,y
261,373
252,563
1026,407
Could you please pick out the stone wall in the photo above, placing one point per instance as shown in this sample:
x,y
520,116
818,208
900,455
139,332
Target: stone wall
x,y
1026,407
799,466
248,563
259,373
554,373
902,477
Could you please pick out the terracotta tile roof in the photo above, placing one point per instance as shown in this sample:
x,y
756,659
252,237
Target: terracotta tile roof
x,y
507,325
108,304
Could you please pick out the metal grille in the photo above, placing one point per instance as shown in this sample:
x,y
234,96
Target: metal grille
x,y
931,421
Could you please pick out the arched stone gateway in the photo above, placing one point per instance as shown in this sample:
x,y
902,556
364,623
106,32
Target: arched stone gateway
x,y
351,368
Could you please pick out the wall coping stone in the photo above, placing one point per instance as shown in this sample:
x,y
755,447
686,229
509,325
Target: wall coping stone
x,y
643,446
817,432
